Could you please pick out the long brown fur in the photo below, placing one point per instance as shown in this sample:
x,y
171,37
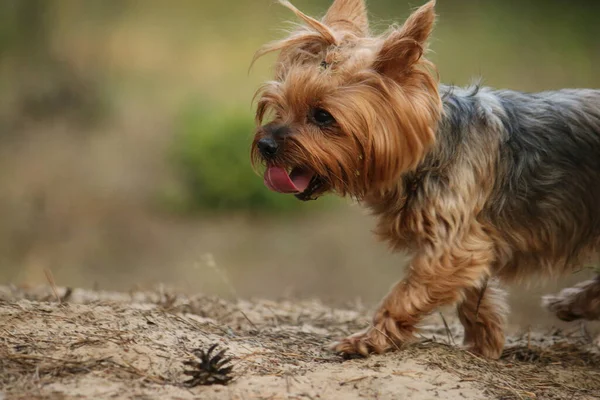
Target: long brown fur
x,y
444,202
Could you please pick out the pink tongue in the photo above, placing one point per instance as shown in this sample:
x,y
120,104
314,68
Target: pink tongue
x,y
278,180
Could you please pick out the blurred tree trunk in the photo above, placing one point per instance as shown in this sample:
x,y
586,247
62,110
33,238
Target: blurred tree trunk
x,y
38,83
24,29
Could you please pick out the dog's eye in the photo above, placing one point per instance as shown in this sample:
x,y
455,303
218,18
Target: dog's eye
x,y
322,117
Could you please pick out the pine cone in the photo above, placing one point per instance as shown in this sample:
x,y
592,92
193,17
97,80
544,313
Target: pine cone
x,y
209,370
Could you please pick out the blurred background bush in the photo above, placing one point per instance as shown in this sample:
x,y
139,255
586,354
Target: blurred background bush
x,y
125,129
211,150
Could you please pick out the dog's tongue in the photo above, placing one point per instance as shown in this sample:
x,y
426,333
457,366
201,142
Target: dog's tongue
x,y
278,180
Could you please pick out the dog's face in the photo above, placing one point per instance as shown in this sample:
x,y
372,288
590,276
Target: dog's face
x,y
346,111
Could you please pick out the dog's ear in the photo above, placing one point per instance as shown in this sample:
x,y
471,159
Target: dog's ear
x,y
348,15
404,47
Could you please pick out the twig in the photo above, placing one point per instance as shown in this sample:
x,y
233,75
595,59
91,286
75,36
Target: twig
x,y
249,320
212,264
360,378
448,333
50,279
384,334
411,374
480,299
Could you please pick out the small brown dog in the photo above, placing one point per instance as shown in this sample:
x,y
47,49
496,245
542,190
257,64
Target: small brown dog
x,y
482,186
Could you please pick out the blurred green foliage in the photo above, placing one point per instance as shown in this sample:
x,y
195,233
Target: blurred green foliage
x,y
88,60
212,155
23,27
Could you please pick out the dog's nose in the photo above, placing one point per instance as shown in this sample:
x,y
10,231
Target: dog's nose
x,y
268,147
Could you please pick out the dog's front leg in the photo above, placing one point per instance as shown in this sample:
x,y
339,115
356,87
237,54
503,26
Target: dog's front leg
x,y
436,277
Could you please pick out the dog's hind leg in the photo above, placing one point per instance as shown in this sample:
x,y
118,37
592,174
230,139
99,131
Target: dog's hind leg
x,y
483,315
579,302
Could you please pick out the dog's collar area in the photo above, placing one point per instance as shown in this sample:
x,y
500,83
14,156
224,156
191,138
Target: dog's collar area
x,y
411,184
413,180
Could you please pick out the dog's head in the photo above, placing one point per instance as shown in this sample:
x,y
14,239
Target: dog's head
x,y
346,111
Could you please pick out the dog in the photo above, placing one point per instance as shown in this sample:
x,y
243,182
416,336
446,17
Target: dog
x,y
483,187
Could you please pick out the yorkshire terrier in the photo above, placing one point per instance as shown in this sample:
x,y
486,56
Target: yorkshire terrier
x,y
484,187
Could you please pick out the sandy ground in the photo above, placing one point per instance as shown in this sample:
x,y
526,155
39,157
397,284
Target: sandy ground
x,y
104,345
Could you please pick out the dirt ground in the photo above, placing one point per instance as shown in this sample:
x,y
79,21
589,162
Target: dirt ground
x,y
72,344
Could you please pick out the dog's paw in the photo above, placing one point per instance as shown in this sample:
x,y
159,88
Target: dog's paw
x,y
492,352
563,305
383,336
579,302
359,344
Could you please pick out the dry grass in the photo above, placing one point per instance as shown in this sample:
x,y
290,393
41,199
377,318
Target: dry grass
x,y
100,345
563,370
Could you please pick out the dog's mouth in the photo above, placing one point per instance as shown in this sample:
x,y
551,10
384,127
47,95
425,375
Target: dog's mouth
x,y
302,182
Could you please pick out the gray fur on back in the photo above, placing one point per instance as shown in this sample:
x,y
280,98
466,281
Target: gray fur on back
x,y
544,149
